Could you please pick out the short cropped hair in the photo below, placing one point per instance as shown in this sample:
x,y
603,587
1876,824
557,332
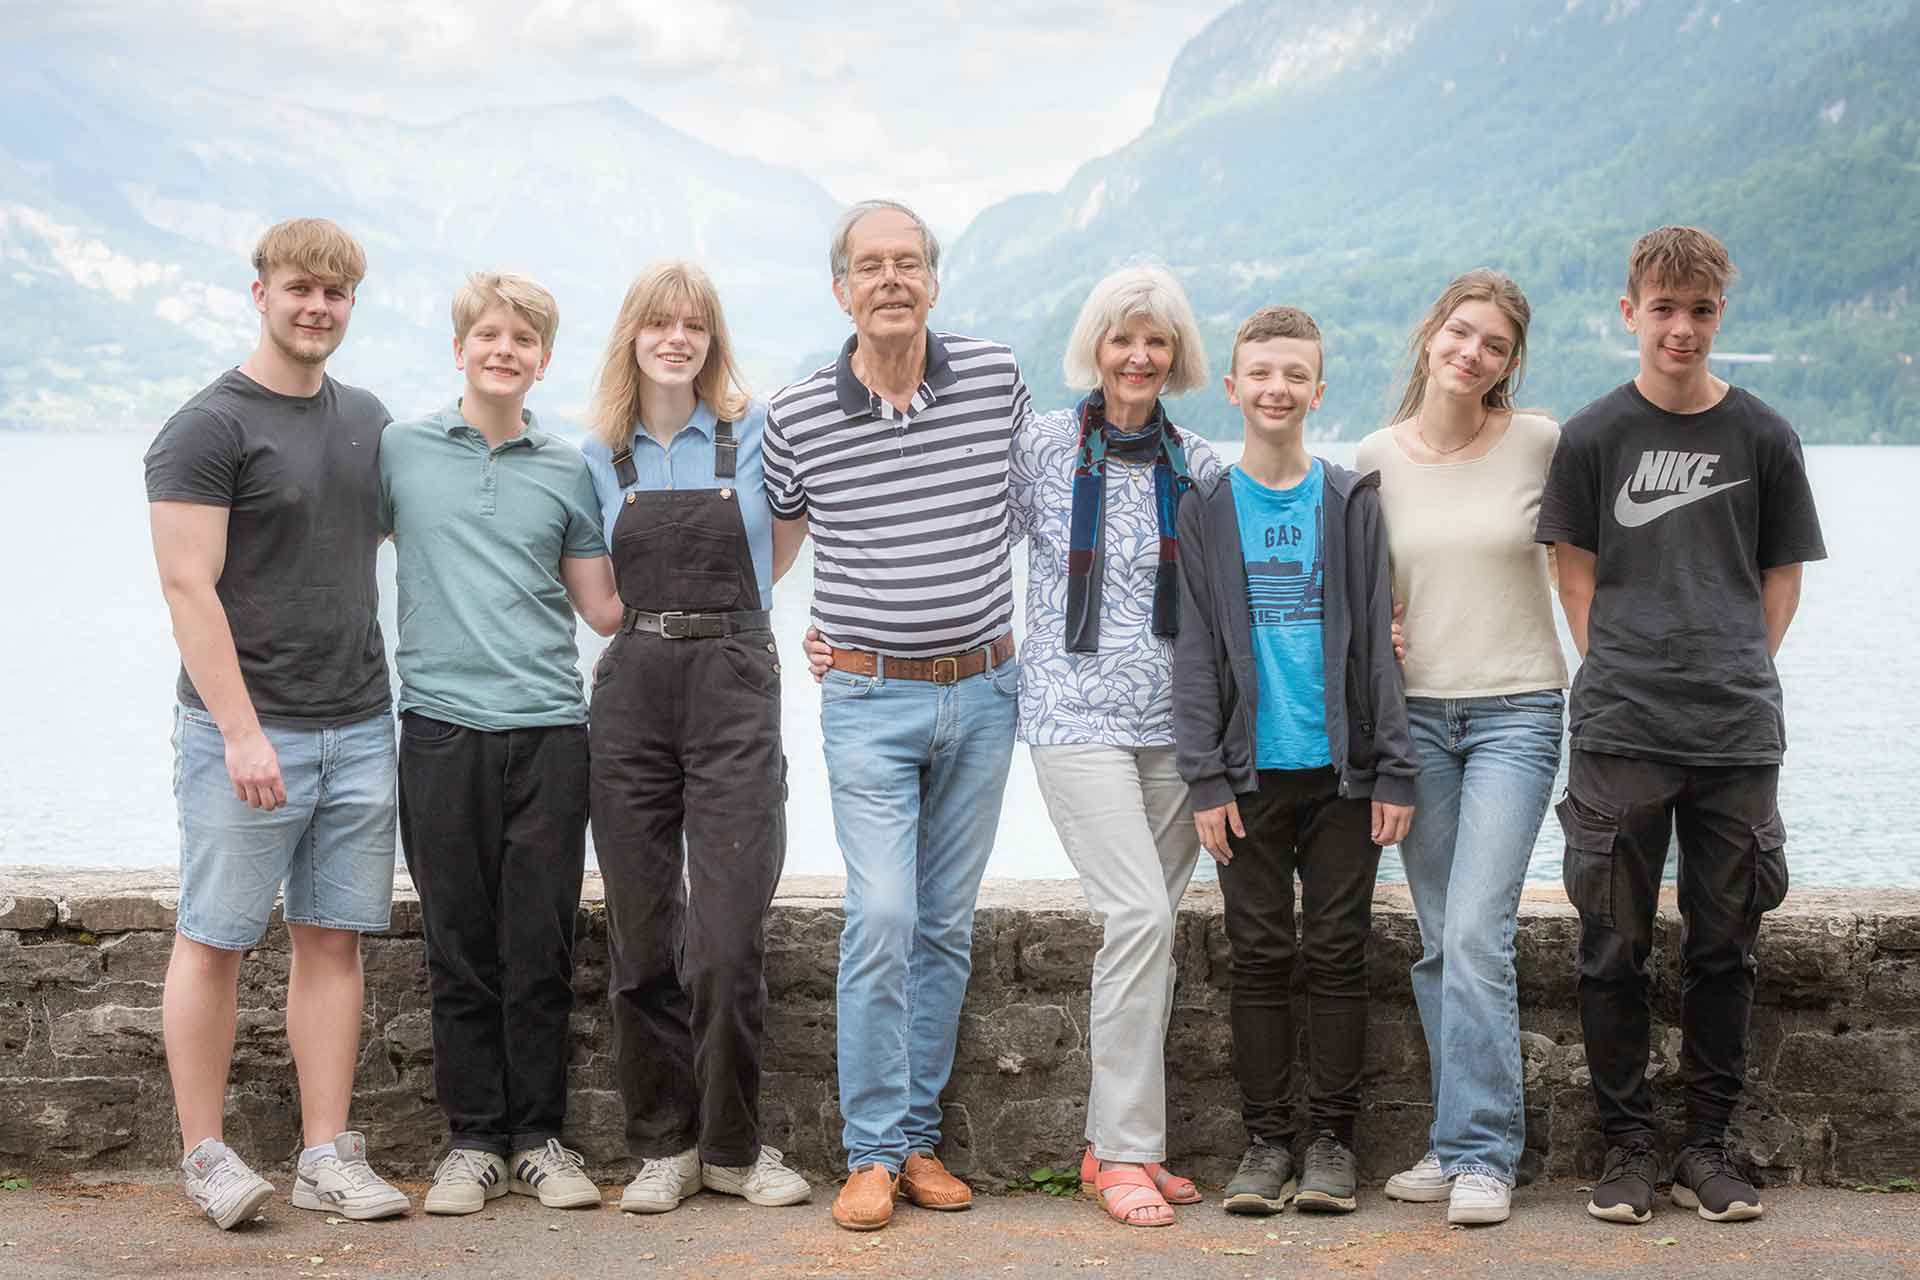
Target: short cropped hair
x,y
1148,291
528,298
1678,256
1276,322
316,246
839,257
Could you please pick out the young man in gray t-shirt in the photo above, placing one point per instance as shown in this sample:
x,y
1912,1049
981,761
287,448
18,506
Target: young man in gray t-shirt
x,y
264,492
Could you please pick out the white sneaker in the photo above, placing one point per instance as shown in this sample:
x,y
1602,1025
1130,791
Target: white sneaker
x,y
466,1180
663,1182
558,1176
767,1181
221,1184
341,1182
1422,1184
1478,1199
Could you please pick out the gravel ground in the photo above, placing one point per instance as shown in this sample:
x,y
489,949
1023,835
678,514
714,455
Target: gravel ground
x,y
144,1227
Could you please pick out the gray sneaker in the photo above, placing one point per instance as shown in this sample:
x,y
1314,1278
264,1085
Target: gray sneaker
x,y
1327,1181
342,1182
466,1180
1264,1181
221,1184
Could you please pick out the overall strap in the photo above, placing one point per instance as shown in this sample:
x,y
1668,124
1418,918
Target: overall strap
x,y
725,447
624,473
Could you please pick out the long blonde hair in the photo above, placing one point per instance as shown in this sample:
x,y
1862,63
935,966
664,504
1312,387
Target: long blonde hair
x,y
656,293
1482,284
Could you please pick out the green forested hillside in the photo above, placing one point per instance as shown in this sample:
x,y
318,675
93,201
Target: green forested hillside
x,y
1352,158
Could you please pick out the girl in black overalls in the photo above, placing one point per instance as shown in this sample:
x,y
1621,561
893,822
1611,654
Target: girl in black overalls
x,y
688,779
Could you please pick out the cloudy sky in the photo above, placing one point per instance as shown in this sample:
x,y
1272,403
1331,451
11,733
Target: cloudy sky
x,y
949,105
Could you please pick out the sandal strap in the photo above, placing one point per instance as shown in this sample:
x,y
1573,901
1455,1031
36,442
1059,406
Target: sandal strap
x,y
1133,1190
1172,1184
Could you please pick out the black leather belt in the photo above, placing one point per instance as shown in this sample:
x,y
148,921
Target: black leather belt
x,y
695,626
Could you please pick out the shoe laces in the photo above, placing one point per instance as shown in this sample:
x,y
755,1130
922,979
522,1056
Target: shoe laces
x,y
1329,1148
770,1161
1262,1157
225,1175
658,1171
1484,1185
1709,1159
463,1164
1634,1157
554,1158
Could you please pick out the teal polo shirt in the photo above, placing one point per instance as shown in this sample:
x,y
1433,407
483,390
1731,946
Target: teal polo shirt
x,y
486,629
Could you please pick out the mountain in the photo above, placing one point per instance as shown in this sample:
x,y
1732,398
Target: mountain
x,y
129,204
1351,156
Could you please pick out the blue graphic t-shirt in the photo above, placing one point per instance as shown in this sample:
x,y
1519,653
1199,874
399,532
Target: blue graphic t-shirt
x,y
1286,600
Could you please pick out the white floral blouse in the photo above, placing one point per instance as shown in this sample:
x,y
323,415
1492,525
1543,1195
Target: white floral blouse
x,y
1122,695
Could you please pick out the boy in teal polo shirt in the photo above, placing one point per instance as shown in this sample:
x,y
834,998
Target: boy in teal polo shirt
x,y
499,542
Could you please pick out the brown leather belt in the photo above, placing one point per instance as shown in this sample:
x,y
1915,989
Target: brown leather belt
x,y
942,670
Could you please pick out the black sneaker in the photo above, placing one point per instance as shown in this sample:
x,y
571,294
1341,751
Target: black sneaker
x,y
1704,1178
1264,1181
1625,1190
1327,1182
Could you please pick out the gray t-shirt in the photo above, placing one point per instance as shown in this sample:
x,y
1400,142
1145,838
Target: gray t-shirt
x,y
300,478
1683,512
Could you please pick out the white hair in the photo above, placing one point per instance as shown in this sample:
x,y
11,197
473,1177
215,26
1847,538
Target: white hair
x,y
1149,291
839,256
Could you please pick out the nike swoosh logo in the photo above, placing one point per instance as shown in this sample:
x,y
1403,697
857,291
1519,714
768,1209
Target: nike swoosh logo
x,y
1634,514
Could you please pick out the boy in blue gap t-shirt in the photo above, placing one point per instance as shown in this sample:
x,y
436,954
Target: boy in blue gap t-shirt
x,y
1290,728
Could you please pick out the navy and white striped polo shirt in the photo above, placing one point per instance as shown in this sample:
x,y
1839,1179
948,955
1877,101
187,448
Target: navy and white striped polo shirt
x,y
908,511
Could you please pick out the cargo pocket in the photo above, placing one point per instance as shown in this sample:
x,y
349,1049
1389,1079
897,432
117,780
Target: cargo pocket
x,y
1587,870
1769,885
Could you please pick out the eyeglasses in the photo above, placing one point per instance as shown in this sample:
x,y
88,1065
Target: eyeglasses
x,y
868,270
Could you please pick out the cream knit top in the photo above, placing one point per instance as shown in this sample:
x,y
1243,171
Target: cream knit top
x,y
1479,619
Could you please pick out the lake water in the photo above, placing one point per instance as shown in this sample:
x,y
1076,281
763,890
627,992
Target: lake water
x,y
85,765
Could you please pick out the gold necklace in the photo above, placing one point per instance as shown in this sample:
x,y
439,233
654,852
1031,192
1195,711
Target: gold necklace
x,y
1485,417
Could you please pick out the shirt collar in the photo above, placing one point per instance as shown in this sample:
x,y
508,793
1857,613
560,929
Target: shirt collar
x,y
701,421
857,398
453,423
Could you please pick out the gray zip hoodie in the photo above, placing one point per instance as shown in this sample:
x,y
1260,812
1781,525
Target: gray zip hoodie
x,y
1216,679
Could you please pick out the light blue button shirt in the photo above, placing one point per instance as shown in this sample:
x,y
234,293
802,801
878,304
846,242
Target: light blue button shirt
x,y
687,463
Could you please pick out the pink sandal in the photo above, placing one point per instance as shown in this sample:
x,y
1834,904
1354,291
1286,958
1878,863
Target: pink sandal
x,y
1173,1188
1134,1191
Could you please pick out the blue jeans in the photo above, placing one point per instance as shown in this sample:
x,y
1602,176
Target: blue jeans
x,y
1486,773
330,845
917,771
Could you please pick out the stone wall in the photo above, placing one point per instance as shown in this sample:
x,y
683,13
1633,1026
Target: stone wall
x,y
1834,1080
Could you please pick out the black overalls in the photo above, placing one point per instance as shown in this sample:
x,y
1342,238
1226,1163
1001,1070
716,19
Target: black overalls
x,y
685,736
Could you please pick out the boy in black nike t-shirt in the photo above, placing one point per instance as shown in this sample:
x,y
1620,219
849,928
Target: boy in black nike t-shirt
x,y
1680,515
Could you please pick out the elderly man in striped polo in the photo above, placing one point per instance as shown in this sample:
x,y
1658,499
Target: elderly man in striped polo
x,y
896,456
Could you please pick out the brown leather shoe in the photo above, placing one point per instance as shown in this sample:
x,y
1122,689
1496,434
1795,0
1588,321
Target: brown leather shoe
x,y
925,1182
865,1203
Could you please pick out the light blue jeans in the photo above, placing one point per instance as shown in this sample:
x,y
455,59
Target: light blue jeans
x,y
917,771
1486,774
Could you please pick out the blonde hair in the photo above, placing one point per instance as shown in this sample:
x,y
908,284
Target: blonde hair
x,y
1148,291
1678,256
655,294
315,246
1277,322
528,298
1482,284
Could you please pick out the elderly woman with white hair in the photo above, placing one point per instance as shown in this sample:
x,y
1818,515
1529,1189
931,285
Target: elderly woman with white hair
x,y
1097,490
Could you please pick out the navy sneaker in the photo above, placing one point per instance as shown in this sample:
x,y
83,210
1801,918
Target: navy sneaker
x,y
1625,1190
1705,1178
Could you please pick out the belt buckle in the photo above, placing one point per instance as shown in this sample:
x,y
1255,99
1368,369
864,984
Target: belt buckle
x,y
951,674
666,626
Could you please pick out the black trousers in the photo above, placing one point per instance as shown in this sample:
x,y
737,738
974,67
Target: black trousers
x,y
1618,814
1298,821
495,831
689,827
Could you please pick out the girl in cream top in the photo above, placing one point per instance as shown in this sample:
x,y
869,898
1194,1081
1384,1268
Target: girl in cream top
x,y
1479,619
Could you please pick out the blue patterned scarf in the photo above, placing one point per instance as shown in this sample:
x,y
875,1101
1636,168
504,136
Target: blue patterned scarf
x,y
1086,558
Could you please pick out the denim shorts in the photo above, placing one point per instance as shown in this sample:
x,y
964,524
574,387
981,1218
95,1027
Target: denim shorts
x,y
331,845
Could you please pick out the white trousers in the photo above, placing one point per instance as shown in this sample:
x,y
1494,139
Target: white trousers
x,y
1124,817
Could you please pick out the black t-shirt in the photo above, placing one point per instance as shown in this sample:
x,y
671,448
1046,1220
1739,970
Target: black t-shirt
x,y
300,477
1683,511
